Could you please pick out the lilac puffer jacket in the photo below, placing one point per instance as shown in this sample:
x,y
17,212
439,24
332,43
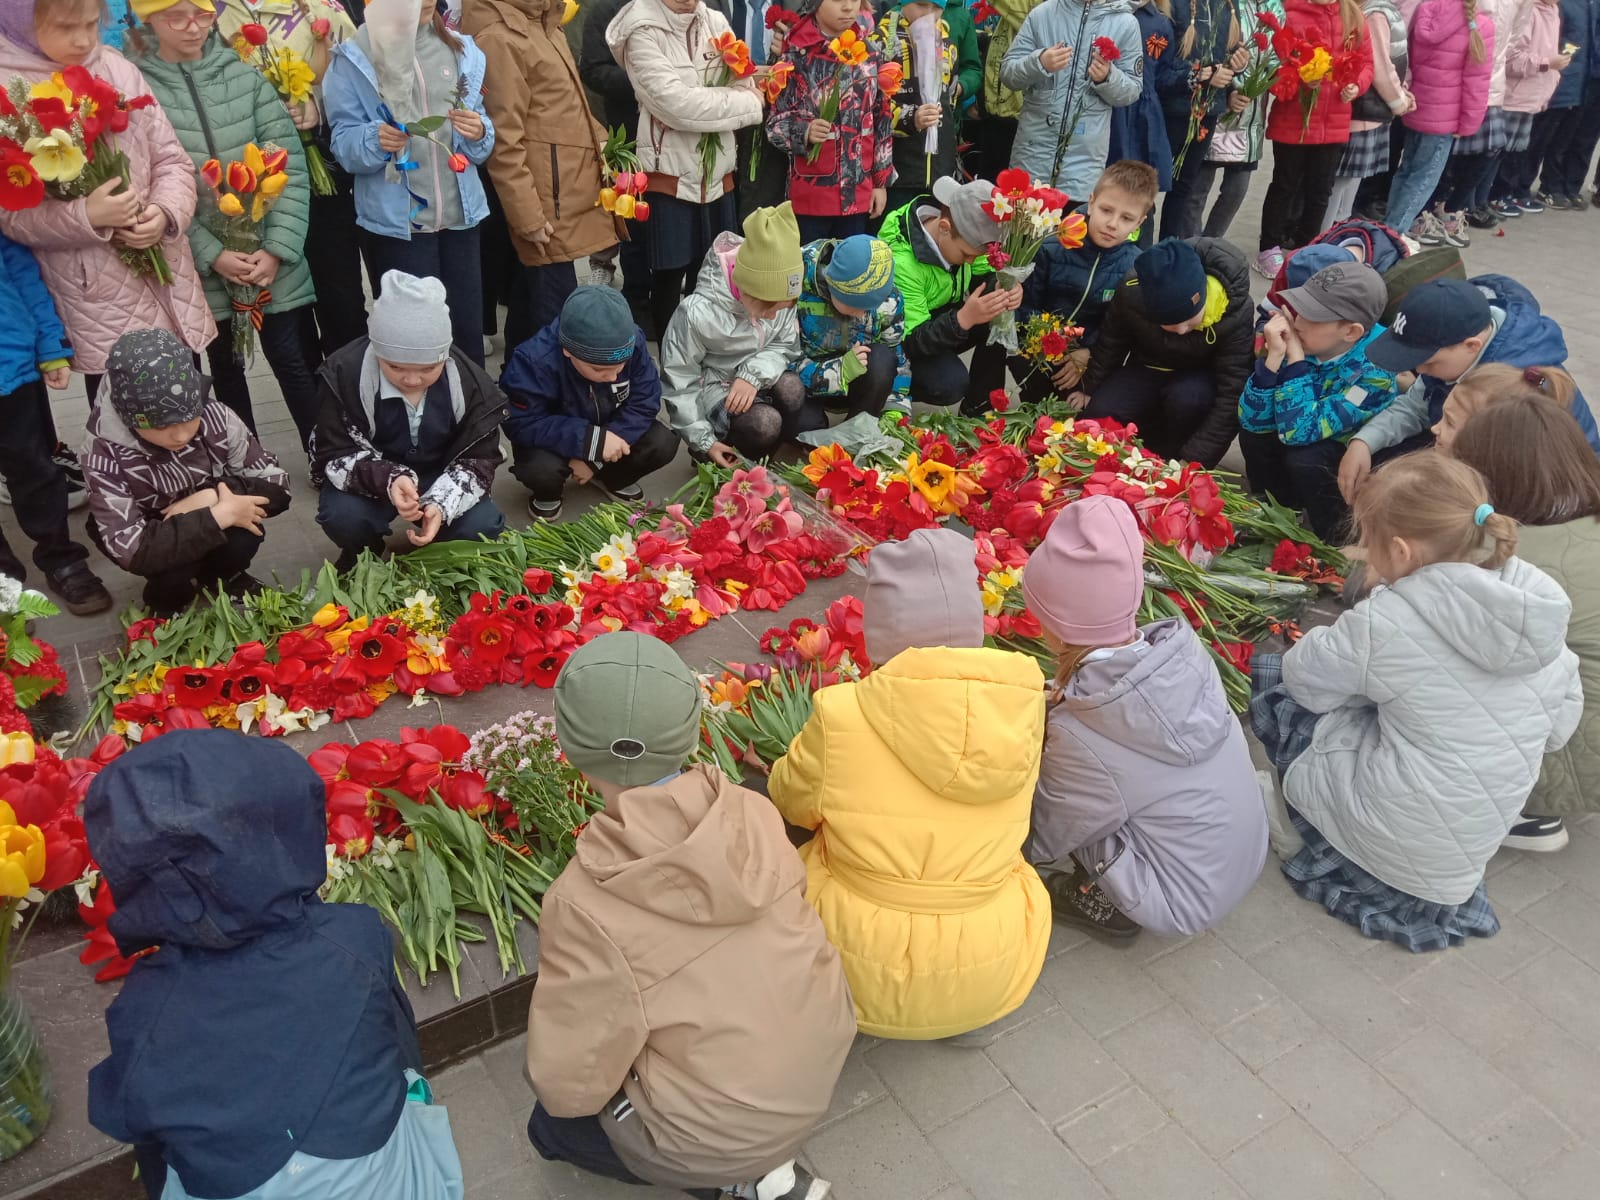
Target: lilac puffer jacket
x,y
1452,90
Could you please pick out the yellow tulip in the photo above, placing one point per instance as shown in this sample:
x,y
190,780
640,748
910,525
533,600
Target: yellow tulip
x,y
15,748
272,185
254,159
54,88
569,10
228,205
21,858
55,157
327,615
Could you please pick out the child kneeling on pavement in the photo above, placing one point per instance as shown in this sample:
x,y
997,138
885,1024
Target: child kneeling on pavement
x,y
583,396
265,1049
409,427
1146,779
725,357
178,487
852,322
691,1017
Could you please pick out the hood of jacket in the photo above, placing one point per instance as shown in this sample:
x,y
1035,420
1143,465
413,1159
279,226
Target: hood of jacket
x,y
1226,264
974,709
1166,699
647,14
1511,622
716,273
690,851
207,839
1526,338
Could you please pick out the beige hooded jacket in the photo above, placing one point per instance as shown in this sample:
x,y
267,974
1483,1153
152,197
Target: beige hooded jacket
x,y
681,965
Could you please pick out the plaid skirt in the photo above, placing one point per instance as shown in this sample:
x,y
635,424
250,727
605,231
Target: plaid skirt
x,y
1518,127
1366,153
1490,138
1321,874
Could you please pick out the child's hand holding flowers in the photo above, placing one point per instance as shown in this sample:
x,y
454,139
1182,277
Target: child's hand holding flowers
x,y
466,123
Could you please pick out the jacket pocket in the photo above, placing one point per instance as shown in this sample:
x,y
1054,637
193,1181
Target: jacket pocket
x,y
555,179
827,164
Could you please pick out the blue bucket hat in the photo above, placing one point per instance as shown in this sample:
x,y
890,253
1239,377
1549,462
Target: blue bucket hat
x,y
860,272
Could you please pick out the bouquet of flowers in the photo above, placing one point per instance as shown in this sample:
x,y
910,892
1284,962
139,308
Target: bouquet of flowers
x,y
1027,214
1106,50
1304,66
1256,80
851,52
57,140
243,193
294,79
730,63
623,183
1047,340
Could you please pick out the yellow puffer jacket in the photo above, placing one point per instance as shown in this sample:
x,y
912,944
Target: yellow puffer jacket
x,y
919,782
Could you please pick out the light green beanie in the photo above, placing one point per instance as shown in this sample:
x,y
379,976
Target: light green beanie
x,y
768,265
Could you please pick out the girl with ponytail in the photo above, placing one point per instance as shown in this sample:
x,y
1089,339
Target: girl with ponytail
x,y
1409,733
1452,61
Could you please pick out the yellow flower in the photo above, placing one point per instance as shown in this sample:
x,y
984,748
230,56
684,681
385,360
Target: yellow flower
x,y
933,479
254,159
55,157
569,9
21,855
1318,66
291,75
325,616
849,49
228,205
54,88
15,748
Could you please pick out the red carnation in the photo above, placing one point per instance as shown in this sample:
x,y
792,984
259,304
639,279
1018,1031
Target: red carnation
x,y
1107,49
1000,400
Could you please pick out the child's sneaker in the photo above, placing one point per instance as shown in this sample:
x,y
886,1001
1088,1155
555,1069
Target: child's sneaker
x,y
1269,262
1528,204
1454,225
1088,908
1486,217
632,494
1505,209
1542,835
1427,231
544,510
788,1182
64,458
1551,200
1578,203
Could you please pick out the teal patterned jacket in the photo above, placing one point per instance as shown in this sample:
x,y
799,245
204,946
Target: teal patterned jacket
x,y
1313,401
825,334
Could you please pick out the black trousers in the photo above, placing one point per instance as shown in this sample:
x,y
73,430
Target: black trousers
x,y
335,257
582,1142
165,592
451,257
38,487
537,294
497,260
1299,477
1178,217
1168,406
1572,143
869,392
545,474
943,379
288,341
1302,181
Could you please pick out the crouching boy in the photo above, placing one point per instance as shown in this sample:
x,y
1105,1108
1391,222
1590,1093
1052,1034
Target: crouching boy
x,y
583,397
691,1017
409,427
1315,387
852,320
178,487
266,1047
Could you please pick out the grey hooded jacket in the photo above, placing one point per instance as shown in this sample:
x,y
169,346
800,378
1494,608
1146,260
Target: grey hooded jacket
x,y
1147,781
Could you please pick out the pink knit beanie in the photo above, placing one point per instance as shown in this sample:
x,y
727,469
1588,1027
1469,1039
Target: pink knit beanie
x,y
1086,580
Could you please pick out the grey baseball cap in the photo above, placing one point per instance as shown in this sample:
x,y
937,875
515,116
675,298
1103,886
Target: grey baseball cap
x,y
1343,292
965,202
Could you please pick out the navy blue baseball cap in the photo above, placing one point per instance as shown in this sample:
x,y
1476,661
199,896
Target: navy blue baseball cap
x,y
1433,315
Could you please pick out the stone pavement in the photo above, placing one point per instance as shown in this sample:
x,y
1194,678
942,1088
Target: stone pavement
x,y
1281,1055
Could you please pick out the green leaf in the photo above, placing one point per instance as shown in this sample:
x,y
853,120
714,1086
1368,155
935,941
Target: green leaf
x,y
426,125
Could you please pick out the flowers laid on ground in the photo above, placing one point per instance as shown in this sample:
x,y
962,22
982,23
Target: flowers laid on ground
x,y
58,141
1027,213
242,194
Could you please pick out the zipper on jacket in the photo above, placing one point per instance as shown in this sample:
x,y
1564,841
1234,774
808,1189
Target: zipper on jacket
x,y
555,180
200,111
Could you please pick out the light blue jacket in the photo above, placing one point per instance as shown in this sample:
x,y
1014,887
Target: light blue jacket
x,y
350,95
30,331
1051,99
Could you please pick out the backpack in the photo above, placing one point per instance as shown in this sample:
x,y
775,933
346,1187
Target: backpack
x,y
1380,246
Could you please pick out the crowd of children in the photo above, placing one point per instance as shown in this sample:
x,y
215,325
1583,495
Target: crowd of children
x,y
1424,418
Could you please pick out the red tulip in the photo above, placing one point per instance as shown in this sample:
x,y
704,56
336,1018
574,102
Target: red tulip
x,y
320,28
241,178
458,163
255,34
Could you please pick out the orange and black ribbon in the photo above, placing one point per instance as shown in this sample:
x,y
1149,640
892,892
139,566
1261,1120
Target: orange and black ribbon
x,y
254,307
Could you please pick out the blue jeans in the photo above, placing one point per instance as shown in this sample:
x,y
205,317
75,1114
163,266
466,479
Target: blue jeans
x,y
360,522
1417,176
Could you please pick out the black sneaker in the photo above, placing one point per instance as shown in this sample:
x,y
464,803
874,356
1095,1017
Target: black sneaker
x,y
80,590
348,556
1551,200
1506,210
1542,835
1087,907
632,494
1483,218
64,458
788,1182
545,510
1528,204
1577,203
243,584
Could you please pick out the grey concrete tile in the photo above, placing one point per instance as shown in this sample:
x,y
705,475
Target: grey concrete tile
x,y
507,1065
1450,1081
1056,1067
1063,938
1571,918
1563,989
1165,1166
1514,947
517,1184
1218,1102
1579,863
1113,1124
1316,974
880,1153
1413,1159
1466,1001
1521,1140
858,1084
1039,1002
1103,987
1570,1173
1213,984
933,1081
1271,1031
1032,1163
1268,914
491,1139
1291,1160
1342,1097
1556,1069
1524,881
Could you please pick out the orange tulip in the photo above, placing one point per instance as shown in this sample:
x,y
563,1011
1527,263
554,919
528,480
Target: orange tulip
x,y
241,178
891,75
277,160
211,172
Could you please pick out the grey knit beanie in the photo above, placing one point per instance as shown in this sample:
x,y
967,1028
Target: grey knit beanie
x,y
597,326
921,593
410,321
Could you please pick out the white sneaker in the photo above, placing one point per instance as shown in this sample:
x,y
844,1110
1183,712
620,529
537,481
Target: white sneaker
x,y
788,1182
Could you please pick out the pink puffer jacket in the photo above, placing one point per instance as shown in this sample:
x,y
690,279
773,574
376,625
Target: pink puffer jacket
x,y
98,297
1529,80
1452,90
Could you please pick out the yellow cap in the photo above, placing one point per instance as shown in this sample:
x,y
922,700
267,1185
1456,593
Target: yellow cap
x,y
145,9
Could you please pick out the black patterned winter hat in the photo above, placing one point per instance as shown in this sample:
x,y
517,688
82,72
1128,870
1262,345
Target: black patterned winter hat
x,y
153,380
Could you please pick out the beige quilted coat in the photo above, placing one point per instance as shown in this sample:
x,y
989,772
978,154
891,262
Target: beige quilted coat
x,y
1570,554
98,297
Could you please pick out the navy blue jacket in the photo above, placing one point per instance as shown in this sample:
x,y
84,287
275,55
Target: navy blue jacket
x,y
1139,131
1580,24
268,1021
554,408
1077,285
30,331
